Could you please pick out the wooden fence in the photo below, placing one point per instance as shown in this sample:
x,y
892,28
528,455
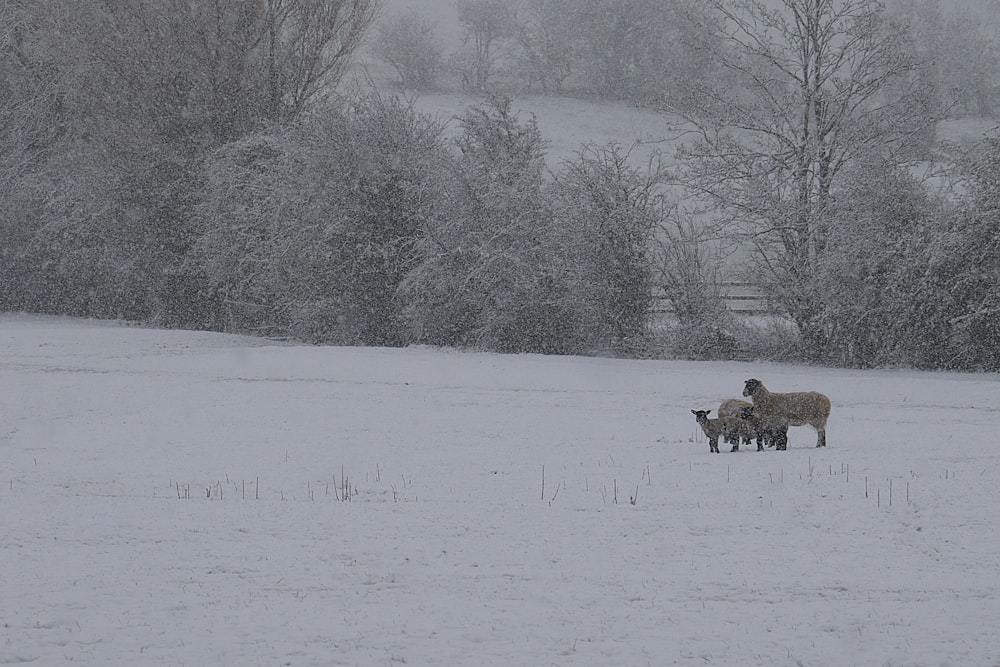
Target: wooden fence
x,y
742,298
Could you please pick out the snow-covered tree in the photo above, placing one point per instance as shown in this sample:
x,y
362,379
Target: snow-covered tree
x,y
408,44
637,50
967,265
549,41
497,272
145,89
29,122
807,94
310,230
488,26
629,50
881,304
688,272
614,209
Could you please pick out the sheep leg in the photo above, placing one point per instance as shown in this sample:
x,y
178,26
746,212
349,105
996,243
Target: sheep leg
x,y
713,444
821,437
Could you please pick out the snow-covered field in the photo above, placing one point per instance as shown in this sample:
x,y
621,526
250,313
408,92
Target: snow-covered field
x,y
177,498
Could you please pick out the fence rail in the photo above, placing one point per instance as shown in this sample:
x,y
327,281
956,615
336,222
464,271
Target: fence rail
x,y
739,297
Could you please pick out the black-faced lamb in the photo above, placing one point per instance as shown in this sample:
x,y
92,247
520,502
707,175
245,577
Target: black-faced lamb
x,y
744,433
770,430
713,428
799,408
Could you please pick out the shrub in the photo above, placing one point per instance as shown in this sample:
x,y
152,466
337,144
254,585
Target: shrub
x,y
407,43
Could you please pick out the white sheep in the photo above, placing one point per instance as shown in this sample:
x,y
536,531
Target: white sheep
x,y
744,433
799,408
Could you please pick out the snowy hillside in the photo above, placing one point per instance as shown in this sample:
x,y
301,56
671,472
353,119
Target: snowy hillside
x,y
176,498
567,123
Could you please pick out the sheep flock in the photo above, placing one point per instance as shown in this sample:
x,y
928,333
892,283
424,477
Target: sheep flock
x,y
765,418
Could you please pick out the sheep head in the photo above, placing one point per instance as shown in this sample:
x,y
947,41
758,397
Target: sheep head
x,y
752,386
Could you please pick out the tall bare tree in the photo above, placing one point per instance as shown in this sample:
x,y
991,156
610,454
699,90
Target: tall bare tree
x,y
309,46
809,87
486,24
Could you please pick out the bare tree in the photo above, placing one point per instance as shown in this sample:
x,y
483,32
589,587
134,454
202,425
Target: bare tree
x,y
487,24
309,45
810,86
548,48
409,46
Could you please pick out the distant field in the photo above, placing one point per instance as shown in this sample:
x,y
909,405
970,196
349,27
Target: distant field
x,y
570,123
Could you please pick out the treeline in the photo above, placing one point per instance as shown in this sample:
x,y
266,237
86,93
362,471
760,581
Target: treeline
x,y
185,164
645,52
188,164
361,224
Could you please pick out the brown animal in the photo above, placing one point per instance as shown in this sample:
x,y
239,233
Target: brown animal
x,y
799,408
713,428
